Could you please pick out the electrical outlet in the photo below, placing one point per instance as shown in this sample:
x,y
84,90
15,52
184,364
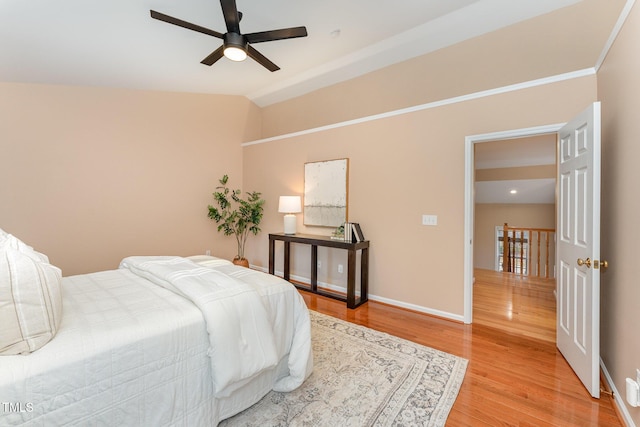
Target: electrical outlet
x,y
633,390
340,268
208,252
319,264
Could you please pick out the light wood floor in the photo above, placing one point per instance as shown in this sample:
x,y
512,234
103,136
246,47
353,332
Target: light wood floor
x,y
516,376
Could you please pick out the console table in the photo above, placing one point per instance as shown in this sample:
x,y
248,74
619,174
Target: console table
x,y
326,241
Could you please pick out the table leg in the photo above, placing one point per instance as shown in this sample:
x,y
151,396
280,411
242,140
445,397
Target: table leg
x,y
364,275
272,253
351,279
314,268
287,254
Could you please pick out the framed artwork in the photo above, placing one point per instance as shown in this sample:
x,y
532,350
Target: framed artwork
x,y
326,193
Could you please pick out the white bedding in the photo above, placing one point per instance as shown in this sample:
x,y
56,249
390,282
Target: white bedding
x,y
241,333
129,352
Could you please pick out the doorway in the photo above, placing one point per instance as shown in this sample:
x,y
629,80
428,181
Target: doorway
x,y
514,280
470,144
578,243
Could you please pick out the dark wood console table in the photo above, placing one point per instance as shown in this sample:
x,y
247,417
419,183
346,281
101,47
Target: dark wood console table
x,y
326,241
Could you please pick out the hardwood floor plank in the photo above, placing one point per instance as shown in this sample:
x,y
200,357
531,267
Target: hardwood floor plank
x,y
516,376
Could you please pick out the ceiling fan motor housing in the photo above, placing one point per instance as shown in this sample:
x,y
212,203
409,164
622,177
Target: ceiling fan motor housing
x,y
235,40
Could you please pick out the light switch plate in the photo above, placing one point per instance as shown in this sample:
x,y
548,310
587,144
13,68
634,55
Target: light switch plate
x,y
429,219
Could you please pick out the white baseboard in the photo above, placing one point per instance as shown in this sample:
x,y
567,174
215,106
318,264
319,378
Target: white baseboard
x,y
620,403
426,310
401,304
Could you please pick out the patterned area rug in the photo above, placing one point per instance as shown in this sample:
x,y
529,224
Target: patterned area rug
x,y
363,377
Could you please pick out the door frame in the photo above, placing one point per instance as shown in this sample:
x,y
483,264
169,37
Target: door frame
x,y
469,198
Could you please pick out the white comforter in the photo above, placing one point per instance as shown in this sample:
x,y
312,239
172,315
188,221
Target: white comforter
x,y
240,324
130,352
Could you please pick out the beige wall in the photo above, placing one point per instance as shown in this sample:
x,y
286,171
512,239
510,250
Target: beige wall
x,y
525,172
488,216
534,49
400,168
618,90
91,175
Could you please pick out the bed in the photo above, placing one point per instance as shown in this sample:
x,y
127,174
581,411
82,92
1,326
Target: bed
x,y
151,344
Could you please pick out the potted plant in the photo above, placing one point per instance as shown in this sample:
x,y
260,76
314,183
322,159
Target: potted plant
x,y
237,216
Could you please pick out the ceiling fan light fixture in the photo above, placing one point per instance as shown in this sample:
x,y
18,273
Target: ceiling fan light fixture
x,y
235,47
235,53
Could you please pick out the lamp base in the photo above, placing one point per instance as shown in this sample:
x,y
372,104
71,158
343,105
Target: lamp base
x,y
289,224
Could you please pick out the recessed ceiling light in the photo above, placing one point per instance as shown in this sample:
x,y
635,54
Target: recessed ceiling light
x,y
513,191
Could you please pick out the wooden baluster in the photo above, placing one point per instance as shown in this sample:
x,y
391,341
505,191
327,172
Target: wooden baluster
x,y
512,248
506,250
547,272
514,243
514,261
538,253
514,265
521,251
527,253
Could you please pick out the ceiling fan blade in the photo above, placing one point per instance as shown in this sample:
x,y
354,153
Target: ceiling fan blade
x,y
261,59
213,56
231,15
184,24
285,33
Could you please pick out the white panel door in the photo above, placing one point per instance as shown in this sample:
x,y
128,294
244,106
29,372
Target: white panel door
x,y
578,252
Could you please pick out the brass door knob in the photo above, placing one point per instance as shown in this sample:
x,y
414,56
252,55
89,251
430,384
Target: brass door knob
x,y
586,262
604,264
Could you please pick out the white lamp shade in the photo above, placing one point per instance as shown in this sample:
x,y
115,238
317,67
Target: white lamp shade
x,y
289,204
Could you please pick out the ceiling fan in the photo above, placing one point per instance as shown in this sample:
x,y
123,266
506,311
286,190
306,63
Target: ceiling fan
x,y
235,45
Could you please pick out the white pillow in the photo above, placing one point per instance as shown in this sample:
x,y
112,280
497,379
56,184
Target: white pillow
x,y
13,242
30,299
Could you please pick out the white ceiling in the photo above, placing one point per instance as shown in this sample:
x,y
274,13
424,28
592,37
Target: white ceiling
x,y
528,191
115,43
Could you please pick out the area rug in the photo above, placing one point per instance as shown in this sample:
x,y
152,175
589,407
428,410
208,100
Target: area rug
x,y
363,377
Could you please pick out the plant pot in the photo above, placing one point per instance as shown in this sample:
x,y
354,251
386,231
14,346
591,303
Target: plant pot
x,y
243,262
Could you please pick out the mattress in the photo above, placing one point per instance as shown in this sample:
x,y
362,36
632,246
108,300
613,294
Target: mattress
x,y
129,352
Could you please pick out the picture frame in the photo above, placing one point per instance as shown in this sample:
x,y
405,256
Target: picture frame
x,y
326,194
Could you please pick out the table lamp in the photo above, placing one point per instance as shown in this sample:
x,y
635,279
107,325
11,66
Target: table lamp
x,y
289,205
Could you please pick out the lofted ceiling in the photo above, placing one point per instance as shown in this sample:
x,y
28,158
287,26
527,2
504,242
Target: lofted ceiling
x,y
115,43
521,191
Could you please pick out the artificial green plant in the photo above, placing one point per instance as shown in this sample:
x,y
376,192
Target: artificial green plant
x,y
235,215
